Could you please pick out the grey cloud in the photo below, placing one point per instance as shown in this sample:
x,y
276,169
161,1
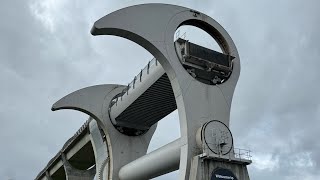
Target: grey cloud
x,y
276,104
276,107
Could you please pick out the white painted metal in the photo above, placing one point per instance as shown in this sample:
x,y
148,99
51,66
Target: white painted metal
x,y
216,138
95,101
100,150
161,161
153,27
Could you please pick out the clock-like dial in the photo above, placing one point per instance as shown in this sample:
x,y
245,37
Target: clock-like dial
x,y
217,137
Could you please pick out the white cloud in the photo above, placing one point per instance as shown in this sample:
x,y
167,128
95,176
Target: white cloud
x,y
46,11
265,162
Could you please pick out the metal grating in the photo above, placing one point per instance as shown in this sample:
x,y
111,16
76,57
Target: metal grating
x,y
154,104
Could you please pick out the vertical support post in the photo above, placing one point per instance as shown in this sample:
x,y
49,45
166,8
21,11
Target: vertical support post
x,y
48,177
76,174
100,151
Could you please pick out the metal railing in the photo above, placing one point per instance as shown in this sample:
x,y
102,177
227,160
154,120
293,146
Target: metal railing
x,y
152,62
242,154
224,151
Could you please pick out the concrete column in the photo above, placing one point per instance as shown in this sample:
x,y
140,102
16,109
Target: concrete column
x,y
76,174
100,151
204,168
48,177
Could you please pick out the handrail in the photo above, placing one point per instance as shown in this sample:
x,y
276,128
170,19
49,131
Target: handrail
x,y
239,153
130,85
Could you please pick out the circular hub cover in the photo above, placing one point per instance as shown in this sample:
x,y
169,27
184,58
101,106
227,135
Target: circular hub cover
x,y
217,137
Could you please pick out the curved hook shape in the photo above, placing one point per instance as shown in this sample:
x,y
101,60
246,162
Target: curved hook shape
x,y
94,101
89,100
143,24
153,26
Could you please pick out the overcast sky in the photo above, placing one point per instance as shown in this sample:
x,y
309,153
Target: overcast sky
x,y
47,51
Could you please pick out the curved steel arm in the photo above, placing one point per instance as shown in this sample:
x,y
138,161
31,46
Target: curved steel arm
x,y
89,100
94,101
153,27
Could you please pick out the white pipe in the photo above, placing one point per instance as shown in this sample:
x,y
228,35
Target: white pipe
x,y
161,161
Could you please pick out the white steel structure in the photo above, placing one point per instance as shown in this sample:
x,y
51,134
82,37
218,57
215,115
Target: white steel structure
x,y
197,81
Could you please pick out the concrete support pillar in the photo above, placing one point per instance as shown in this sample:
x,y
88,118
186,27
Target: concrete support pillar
x,y
207,168
100,151
76,174
48,177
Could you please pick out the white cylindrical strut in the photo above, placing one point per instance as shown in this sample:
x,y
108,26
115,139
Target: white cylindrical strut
x,y
161,161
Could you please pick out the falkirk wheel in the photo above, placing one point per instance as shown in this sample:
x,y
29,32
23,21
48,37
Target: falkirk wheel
x,y
197,81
